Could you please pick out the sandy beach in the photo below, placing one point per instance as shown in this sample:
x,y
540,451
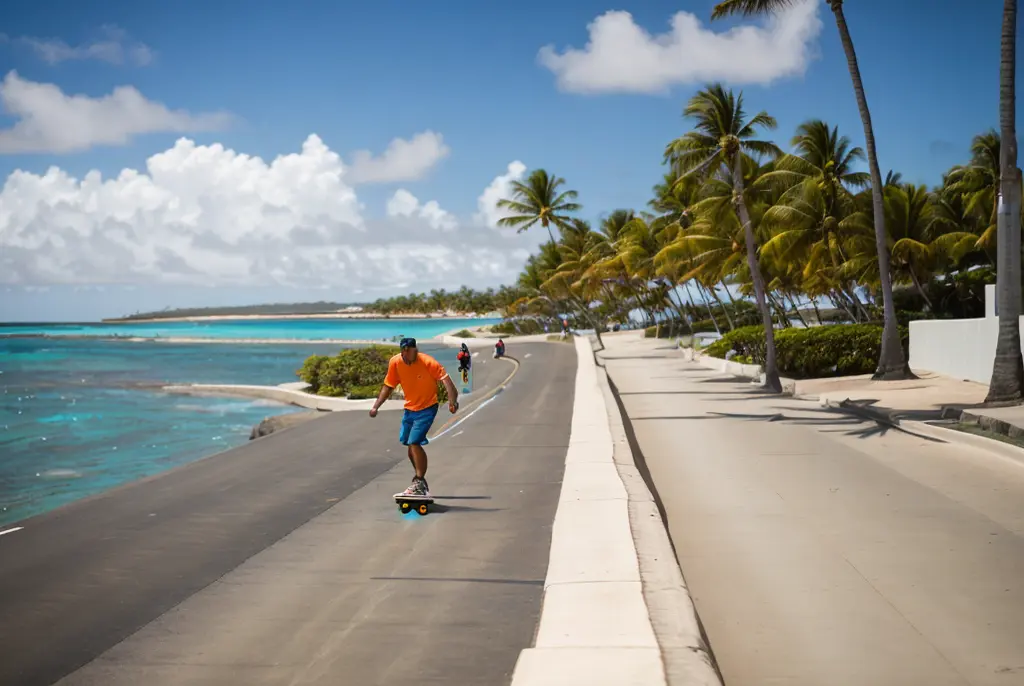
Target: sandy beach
x,y
327,315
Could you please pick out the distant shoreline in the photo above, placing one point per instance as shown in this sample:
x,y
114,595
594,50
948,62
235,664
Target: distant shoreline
x,y
246,341
329,315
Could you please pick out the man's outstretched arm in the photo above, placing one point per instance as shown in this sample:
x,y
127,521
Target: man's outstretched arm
x,y
385,393
453,393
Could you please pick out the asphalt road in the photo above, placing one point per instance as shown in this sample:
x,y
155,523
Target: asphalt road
x,y
286,561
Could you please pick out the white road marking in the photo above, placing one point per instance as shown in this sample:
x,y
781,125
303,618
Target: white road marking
x,y
476,354
11,531
456,434
477,409
527,355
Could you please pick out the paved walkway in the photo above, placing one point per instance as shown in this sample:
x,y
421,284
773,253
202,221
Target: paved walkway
x,y
285,561
821,548
930,397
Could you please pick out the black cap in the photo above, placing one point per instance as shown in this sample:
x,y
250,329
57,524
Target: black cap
x,y
407,343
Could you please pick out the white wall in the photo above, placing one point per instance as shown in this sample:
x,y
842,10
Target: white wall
x,y
960,348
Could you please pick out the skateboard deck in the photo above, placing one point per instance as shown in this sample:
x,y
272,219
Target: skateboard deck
x,y
419,503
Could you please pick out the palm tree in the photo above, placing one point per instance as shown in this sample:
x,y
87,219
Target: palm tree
x,y
891,361
816,195
722,140
538,200
1007,384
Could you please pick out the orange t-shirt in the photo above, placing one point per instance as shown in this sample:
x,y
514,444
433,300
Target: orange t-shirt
x,y
419,380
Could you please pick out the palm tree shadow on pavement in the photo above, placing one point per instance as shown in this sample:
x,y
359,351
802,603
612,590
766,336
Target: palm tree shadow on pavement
x,y
848,423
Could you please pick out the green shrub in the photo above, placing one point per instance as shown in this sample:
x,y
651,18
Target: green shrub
x,y
519,326
356,374
310,372
667,330
833,350
363,392
464,333
350,369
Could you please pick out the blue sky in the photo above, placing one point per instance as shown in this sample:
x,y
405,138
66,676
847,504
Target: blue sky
x,y
359,75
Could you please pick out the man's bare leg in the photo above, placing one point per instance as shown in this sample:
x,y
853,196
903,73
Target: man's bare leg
x,y
418,457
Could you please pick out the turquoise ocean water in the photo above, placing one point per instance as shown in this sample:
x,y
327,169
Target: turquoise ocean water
x,y
81,413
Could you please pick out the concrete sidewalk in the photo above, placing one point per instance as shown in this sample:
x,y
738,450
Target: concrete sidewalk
x,y
932,398
824,548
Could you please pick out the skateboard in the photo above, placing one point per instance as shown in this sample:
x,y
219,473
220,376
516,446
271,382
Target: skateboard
x,y
413,502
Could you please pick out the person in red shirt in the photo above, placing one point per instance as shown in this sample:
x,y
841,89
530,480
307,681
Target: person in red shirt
x,y
465,360
418,373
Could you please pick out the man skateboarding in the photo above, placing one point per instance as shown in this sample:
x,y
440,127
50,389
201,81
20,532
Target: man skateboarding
x,y
418,373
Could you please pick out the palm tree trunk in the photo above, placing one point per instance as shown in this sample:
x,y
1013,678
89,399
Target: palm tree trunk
x,y
1007,384
891,362
640,304
799,314
836,297
857,304
682,311
551,236
920,289
703,297
728,317
817,313
771,371
780,310
728,294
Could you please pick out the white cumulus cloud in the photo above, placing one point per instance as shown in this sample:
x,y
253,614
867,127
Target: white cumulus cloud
x,y
488,212
403,160
211,216
405,204
622,57
111,45
51,121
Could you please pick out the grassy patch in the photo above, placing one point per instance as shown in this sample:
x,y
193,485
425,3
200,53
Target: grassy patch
x,y
557,338
464,333
977,430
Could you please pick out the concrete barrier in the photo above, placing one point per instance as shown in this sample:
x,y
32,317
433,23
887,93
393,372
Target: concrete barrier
x,y
746,371
594,628
686,655
281,394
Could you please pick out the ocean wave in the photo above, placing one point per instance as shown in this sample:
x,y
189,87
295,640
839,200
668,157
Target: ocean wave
x,y
228,407
59,474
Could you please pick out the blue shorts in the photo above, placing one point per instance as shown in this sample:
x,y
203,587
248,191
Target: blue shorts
x,y
416,424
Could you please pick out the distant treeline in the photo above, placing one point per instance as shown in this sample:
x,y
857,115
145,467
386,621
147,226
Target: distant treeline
x,y
462,301
240,310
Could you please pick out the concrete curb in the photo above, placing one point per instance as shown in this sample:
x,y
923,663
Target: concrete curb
x,y
594,628
926,429
993,424
283,395
746,371
686,655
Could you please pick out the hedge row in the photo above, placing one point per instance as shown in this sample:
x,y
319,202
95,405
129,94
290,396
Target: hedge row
x,y
676,328
509,327
819,351
355,373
